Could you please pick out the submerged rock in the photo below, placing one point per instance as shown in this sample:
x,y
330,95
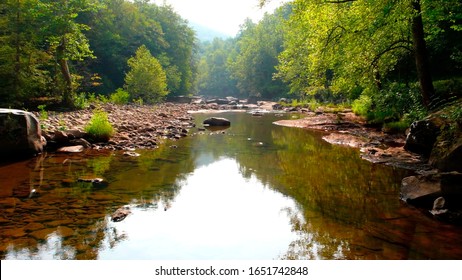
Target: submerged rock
x,y
120,214
91,180
439,193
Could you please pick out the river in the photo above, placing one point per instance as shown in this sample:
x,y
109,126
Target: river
x,y
253,191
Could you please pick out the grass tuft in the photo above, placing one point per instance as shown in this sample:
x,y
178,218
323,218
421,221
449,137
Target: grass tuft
x,y
99,128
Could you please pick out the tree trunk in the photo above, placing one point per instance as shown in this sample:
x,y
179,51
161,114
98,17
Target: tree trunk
x,y
421,56
62,61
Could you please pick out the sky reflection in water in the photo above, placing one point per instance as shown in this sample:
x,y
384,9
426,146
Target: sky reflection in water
x,y
218,214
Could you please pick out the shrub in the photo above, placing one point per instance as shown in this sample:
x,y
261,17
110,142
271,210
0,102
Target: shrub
x,y
120,97
81,101
362,105
99,128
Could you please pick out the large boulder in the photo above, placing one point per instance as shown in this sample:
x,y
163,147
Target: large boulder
x,y
421,137
20,133
422,190
213,121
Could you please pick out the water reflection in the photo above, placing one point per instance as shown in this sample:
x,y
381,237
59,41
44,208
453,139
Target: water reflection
x,y
218,214
253,191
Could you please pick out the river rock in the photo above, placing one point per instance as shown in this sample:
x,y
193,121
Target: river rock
x,y
75,134
21,133
213,121
422,190
91,180
80,142
439,203
71,149
120,214
421,137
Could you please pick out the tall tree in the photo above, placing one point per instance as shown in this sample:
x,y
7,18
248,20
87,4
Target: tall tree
x,y
259,46
66,38
22,73
215,77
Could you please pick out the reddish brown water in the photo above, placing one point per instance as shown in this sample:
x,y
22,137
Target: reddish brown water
x,y
253,191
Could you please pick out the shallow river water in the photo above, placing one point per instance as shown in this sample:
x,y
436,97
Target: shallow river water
x,y
252,191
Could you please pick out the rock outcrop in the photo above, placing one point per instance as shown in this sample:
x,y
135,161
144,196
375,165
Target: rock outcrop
x,y
20,133
439,139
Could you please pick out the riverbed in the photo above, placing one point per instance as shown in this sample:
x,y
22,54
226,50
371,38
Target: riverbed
x,y
252,191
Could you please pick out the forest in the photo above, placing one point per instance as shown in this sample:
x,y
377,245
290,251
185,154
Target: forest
x,y
389,60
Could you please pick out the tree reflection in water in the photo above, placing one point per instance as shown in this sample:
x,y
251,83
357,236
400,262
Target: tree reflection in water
x,y
331,204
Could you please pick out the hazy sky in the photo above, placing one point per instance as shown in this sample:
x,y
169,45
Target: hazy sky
x,y
222,15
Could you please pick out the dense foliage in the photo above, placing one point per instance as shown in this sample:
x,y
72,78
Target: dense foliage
x,y
51,50
389,59
387,52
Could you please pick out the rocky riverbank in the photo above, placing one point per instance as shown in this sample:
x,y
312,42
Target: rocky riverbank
x,y
136,127
345,128
432,148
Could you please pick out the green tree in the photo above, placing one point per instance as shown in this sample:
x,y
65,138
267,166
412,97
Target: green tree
x,y
358,43
65,37
259,46
23,74
146,79
215,77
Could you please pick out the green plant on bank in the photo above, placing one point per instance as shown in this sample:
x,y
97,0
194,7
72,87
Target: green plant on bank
x,y
138,101
61,124
81,101
120,97
43,114
456,115
362,105
99,128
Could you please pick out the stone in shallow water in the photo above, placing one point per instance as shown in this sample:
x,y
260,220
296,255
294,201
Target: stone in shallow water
x,y
42,234
71,149
65,231
34,226
213,121
14,232
131,154
120,214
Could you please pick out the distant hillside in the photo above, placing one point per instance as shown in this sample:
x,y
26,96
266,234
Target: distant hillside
x,y
206,33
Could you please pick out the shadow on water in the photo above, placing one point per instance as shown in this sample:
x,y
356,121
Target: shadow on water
x,y
252,191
